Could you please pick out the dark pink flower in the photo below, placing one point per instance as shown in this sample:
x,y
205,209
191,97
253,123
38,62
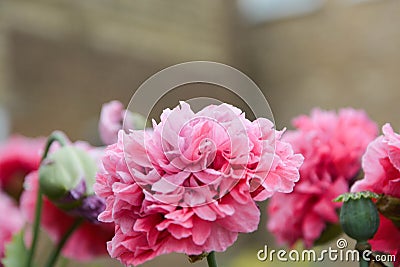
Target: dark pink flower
x,y
190,184
381,164
11,221
87,242
332,145
18,156
387,239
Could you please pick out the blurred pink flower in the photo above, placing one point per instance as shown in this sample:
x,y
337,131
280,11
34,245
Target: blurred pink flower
x,y
381,164
11,221
111,119
19,155
332,145
87,242
190,184
114,117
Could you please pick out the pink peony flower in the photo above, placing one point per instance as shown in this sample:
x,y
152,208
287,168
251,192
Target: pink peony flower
x,y
381,164
11,221
190,184
18,156
332,145
87,242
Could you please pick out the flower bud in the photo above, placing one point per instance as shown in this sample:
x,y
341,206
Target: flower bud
x,y
359,216
62,171
77,203
90,208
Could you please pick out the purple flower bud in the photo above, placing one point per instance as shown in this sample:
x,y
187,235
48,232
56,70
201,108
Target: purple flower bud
x,y
91,207
77,203
73,198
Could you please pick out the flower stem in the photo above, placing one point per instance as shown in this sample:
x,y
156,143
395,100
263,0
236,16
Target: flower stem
x,y
60,138
38,211
361,247
212,262
56,252
363,263
55,136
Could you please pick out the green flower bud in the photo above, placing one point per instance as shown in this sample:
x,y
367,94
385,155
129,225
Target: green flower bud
x,y
64,169
359,216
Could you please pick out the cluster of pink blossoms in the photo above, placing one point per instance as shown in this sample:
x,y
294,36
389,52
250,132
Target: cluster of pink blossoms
x,y
189,184
332,145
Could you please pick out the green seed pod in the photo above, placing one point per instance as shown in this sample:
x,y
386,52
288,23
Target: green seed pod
x,y
64,169
359,218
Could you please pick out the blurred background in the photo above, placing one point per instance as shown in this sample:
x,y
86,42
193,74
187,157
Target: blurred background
x,y
60,60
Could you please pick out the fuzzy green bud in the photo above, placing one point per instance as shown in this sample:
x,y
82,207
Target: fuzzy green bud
x,y
64,169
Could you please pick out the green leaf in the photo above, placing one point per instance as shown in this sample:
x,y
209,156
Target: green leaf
x,y
16,254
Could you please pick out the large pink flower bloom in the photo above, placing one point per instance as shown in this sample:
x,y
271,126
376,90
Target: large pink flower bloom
x,y
87,242
11,221
332,145
18,156
190,184
381,164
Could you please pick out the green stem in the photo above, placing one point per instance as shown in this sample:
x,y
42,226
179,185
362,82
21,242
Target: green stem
x,y
361,247
54,255
38,211
55,136
212,262
363,263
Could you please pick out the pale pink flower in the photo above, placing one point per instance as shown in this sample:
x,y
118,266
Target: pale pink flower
x,y
111,119
87,242
381,164
189,185
11,221
332,145
114,117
